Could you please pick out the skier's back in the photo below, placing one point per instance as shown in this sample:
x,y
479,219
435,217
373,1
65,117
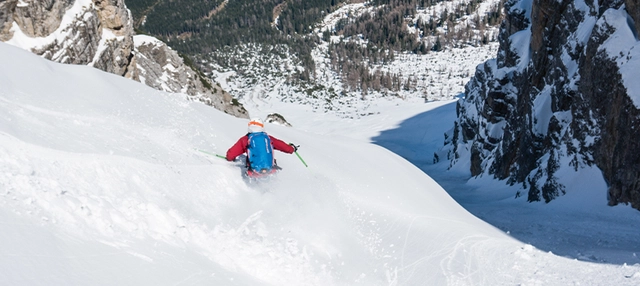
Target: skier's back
x,y
259,146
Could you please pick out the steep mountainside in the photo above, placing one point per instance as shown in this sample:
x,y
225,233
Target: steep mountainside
x,y
326,53
562,95
100,34
201,27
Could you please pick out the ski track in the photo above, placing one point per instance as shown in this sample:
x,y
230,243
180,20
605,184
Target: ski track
x,y
91,203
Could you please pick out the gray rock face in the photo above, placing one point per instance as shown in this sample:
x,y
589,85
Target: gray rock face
x,y
606,101
38,18
162,68
554,99
96,33
100,33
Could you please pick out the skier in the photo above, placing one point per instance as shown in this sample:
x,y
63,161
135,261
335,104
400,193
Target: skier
x,y
258,146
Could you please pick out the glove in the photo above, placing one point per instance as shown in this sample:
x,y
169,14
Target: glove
x,y
295,148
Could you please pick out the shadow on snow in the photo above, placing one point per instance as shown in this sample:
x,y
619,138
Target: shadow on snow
x,y
417,138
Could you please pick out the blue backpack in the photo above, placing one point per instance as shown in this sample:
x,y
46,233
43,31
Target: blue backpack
x,y
260,152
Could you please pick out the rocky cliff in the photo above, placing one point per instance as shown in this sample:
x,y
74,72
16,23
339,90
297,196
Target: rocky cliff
x,y
561,97
100,33
72,32
163,68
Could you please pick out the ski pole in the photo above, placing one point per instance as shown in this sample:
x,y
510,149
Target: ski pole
x,y
219,156
305,164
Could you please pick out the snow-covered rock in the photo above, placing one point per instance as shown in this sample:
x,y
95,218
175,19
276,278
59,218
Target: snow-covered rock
x,y
100,34
162,68
86,32
277,119
561,96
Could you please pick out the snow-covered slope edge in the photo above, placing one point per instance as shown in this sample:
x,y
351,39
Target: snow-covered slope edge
x,y
102,186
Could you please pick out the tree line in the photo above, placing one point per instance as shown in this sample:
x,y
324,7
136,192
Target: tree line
x,y
386,32
199,27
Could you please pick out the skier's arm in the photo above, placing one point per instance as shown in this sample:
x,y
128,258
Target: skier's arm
x,y
281,146
237,149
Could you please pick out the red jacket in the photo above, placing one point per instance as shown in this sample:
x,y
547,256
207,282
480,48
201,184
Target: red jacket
x,y
241,147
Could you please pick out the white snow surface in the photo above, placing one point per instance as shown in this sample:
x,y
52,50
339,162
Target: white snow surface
x,y
101,184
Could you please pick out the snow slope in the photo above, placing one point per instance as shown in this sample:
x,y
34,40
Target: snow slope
x,y
100,184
